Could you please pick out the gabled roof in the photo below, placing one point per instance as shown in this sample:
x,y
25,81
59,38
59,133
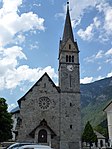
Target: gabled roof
x,y
45,74
43,124
68,33
99,135
62,44
107,106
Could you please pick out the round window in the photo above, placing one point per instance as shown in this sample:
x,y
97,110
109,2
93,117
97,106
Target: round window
x,y
44,103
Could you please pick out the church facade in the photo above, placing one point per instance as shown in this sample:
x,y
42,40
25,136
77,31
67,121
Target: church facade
x,y
50,114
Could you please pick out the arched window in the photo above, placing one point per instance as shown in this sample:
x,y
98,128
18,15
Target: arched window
x,y
66,58
72,59
42,136
69,58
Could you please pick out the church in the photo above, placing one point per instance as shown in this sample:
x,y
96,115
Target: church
x,y
50,114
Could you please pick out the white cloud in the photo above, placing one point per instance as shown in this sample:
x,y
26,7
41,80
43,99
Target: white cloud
x,y
12,77
19,39
86,80
12,29
100,55
109,74
109,60
101,26
97,22
12,106
9,28
89,32
11,5
90,79
78,9
109,52
108,21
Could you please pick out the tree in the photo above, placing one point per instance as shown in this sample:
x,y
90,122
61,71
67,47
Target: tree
x,y
88,135
5,121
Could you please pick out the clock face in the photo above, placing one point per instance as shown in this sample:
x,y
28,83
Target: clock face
x,y
70,67
44,103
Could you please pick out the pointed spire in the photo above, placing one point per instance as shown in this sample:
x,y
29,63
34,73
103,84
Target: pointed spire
x,y
68,33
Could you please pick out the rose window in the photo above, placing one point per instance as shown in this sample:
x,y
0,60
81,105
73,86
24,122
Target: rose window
x,y
44,103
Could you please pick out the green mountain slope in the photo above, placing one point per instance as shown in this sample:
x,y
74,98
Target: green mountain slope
x,y
94,98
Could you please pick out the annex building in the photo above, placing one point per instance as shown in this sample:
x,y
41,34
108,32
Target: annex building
x,y
50,114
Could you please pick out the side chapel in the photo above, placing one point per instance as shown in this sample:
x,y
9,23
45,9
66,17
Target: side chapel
x,y
50,114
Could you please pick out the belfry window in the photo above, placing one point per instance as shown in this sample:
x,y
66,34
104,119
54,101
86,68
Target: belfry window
x,y
66,58
72,59
69,46
69,58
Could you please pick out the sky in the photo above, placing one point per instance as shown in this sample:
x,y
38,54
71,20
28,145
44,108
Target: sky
x,y
30,31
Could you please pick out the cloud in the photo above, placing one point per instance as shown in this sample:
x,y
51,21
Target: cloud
x,y
77,9
89,32
109,52
11,5
109,74
90,79
101,28
106,56
9,28
12,106
99,54
86,80
108,21
13,26
12,77
107,11
80,7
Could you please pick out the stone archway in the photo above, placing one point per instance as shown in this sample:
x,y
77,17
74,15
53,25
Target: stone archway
x,y
42,136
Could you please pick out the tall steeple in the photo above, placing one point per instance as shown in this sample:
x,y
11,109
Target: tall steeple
x,y
68,33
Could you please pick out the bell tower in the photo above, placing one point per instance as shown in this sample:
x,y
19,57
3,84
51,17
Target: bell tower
x,y
69,83
68,59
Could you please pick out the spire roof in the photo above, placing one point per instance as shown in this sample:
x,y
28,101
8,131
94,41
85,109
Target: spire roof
x,y
68,33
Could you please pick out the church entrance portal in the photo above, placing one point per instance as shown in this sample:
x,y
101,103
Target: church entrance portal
x,y
42,136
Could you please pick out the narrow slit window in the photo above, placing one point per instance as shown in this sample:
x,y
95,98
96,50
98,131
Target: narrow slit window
x,y
70,126
70,81
66,58
70,104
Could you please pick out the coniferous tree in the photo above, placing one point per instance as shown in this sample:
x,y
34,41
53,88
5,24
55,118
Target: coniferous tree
x,y
5,121
88,135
